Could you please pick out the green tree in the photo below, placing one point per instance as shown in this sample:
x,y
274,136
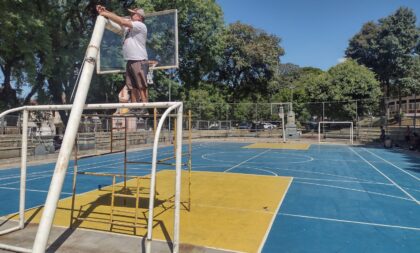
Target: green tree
x,y
387,47
295,91
207,103
411,84
21,62
250,61
345,82
200,28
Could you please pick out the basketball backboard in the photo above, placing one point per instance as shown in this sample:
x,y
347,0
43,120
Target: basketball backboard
x,y
162,44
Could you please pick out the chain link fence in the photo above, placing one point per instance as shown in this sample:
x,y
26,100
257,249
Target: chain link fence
x,y
225,120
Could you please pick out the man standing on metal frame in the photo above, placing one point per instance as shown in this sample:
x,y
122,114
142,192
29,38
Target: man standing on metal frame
x,y
134,52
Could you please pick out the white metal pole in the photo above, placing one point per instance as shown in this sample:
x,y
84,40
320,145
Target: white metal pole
x,y
23,169
284,134
178,180
319,132
153,177
47,218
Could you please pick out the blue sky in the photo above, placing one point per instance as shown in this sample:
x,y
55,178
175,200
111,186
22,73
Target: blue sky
x,y
313,32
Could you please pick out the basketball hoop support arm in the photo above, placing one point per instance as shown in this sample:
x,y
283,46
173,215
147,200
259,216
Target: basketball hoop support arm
x,y
57,181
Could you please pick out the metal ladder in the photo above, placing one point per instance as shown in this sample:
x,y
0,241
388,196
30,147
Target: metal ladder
x,y
126,194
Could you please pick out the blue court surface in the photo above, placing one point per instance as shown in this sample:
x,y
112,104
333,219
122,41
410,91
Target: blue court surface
x,y
342,198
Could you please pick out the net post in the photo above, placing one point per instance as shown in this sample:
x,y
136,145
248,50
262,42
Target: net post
x,y
149,235
125,152
154,120
24,154
175,134
73,196
189,158
175,248
319,132
111,136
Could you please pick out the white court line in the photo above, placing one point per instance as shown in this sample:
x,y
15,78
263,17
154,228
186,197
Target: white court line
x,y
356,190
267,232
207,156
406,172
79,166
313,172
350,221
31,190
412,189
342,181
86,167
268,171
239,164
389,179
70,171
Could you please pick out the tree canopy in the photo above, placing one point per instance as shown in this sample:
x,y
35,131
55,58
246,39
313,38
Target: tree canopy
x,y
219,64
387,47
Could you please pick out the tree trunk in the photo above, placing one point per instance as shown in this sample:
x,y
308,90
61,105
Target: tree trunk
x,y
8,94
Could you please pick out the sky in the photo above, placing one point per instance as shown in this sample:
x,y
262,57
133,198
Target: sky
x,y
314,32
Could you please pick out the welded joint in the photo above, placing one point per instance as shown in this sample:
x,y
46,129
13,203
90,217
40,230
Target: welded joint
x,y
90,60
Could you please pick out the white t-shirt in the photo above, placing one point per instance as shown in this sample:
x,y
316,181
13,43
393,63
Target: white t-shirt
x,y
134,46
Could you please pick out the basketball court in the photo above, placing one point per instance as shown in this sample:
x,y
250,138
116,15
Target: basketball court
x,y
263,199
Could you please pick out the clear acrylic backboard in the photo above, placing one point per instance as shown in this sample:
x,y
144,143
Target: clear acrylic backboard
x,y
162,44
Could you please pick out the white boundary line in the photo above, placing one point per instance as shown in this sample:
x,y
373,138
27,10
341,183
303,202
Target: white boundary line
x,y
207,156
342,181
268,171
406,172
390,180
30,190
320,173
356,190
239,164
267,232
349,221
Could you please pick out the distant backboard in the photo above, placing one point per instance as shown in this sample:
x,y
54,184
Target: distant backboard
x,y
162,44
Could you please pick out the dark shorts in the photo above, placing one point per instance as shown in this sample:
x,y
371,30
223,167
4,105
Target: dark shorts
x,y
136,74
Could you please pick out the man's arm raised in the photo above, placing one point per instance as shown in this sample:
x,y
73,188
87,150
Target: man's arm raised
x,y
114,17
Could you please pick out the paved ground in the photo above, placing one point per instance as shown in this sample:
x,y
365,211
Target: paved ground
x,y
66,240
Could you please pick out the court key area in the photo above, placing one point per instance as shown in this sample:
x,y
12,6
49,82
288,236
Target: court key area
x,y
243,197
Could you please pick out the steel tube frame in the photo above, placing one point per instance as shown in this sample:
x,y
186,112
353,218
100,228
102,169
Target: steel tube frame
x,y
60,170
22,192
170,105
149,237
24,154
90,107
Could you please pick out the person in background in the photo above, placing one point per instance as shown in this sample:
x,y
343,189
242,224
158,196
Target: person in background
x,y
407,134
382,136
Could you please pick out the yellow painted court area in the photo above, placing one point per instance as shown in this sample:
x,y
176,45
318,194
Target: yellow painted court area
x,y
293,146
228,211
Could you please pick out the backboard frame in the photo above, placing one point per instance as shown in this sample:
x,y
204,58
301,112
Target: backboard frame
x,y
117,29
